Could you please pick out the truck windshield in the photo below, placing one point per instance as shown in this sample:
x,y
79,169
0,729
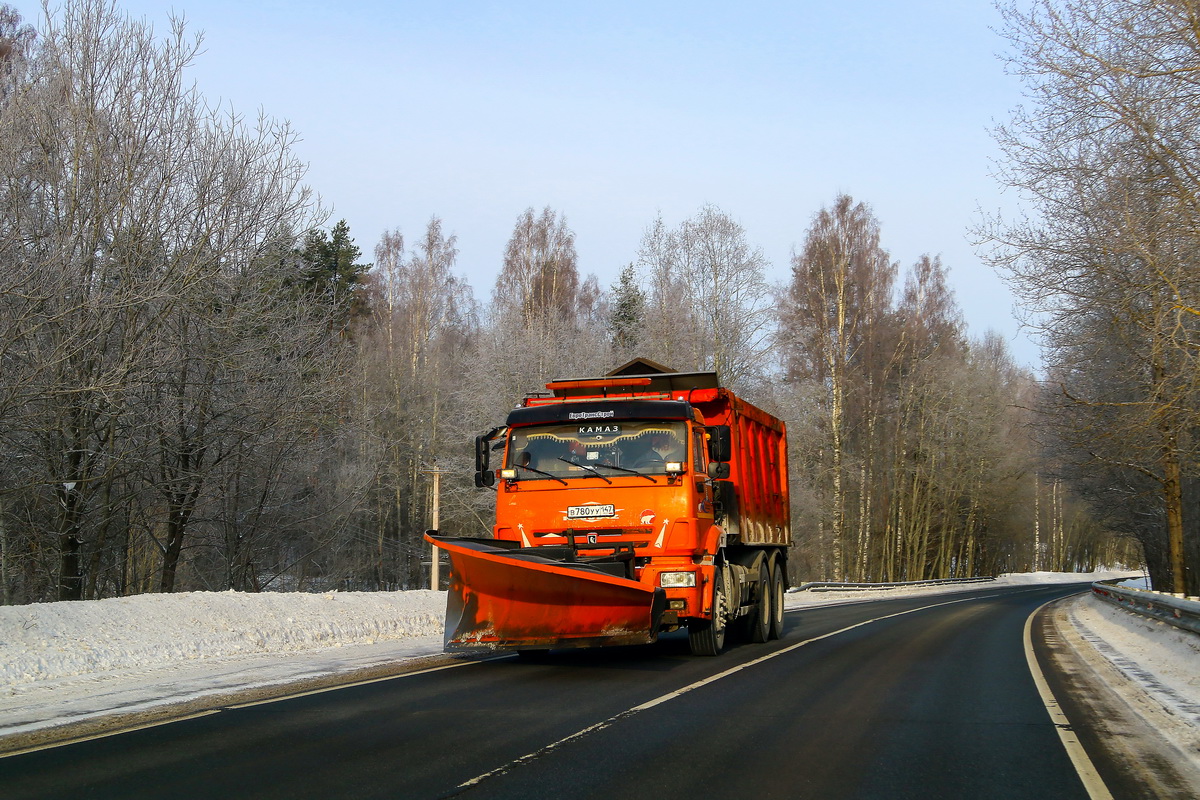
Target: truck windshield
x,y
581,450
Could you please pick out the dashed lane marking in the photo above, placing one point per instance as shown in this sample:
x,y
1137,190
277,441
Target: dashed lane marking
x,y
528,757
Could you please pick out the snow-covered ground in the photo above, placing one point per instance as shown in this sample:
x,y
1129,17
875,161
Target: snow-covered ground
x,y
76,664
1155,668
83,662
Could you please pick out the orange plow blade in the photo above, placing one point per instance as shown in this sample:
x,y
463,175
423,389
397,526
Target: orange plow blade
x,y
513,598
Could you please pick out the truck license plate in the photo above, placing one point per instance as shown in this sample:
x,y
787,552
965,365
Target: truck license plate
x,y
591,512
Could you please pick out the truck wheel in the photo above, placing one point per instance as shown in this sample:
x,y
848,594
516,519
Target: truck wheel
x,y
776,599
759,623
707,637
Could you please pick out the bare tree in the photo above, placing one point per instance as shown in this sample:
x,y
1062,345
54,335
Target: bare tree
x,y
707,300
909,440
542,322
670,328
423,326
725,277
540,277
145,240
1108,157
840,289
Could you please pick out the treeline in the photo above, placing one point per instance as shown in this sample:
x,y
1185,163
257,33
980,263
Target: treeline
x,y
170,356
911,447
202,388
1105,159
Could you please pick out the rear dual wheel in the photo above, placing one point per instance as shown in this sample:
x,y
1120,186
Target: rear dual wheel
x,y
776,592
758,624
765,620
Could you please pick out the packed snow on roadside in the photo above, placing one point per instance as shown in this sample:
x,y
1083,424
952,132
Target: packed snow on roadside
x,y
79,661
59,640
76,661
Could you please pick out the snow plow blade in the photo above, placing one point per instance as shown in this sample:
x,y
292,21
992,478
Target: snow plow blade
x,y
509,597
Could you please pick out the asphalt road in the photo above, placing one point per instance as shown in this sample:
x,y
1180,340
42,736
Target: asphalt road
x,y
909,698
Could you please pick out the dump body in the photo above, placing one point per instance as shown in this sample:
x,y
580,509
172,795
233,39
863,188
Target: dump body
x,y
757,470
625,506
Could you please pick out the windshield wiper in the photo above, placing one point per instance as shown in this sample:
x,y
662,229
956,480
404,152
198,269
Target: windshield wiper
x,y
588,467
540,472
631,472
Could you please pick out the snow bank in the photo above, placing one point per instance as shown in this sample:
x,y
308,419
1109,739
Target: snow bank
x,y
54,640
797,599
1059,577
1139,647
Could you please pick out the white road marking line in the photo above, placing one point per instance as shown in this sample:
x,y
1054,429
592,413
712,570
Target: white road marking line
x,y
105,734
1096,788
324,689
196,715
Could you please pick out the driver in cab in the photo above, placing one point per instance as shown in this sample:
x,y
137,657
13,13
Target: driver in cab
x,y
664,447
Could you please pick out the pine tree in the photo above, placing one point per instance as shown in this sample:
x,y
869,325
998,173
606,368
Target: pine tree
x,y
628,311
331,272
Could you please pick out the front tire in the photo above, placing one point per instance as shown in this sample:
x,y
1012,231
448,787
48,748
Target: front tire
x,y
707,637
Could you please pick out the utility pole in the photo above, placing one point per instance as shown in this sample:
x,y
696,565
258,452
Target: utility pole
x,y
436,472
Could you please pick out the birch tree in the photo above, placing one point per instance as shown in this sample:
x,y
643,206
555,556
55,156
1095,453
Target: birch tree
x,y
539,277
839,291
707,299
424,322
670,328
544,322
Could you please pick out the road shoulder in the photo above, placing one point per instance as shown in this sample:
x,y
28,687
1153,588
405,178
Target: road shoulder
x,y
1144,738
108,717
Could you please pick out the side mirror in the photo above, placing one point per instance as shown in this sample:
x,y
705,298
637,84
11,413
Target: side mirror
x,y
720,445
483,475
718,470
481,453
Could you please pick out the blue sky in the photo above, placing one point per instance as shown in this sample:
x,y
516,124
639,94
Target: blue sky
x,y
614,112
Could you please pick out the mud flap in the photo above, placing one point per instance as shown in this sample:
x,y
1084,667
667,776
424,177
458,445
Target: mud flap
x,y
506,597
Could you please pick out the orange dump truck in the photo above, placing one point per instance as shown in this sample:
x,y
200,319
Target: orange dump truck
x,y
626,506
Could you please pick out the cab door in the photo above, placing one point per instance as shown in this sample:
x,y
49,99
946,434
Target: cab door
x,y
702,493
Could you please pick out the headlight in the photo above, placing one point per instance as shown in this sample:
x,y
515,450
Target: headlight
x,y
674,466
669,580
508,474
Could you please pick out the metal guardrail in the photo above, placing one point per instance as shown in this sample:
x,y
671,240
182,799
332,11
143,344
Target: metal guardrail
x,y
833,586
1182,612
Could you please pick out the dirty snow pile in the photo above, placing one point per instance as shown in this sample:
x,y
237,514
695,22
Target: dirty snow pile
x,y
1160,659
1127,638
